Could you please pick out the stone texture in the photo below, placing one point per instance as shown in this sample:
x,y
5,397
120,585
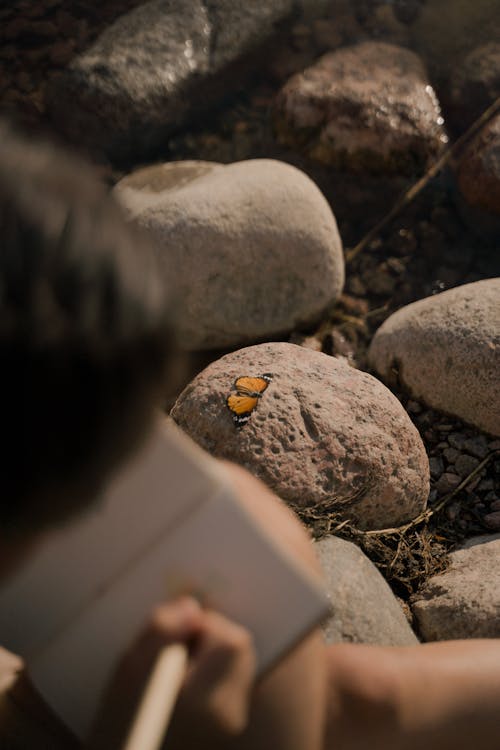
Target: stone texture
x,y
157,66
464,601
446,352
474,85
364,609
478,178
252,249
323,434
365,107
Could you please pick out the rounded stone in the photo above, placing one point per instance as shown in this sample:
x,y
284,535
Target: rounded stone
x,y
445,350
474,85
364,609
464,601
251,249
366,107
322,434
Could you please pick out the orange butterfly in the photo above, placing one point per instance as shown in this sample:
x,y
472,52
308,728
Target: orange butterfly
x,y
248,391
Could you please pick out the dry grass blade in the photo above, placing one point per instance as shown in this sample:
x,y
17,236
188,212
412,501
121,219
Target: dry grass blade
x,y
406,555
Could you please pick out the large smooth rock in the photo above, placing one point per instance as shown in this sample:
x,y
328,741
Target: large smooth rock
x,y
365,107
364,609
323,434
446,351
157,66
464,601
252,249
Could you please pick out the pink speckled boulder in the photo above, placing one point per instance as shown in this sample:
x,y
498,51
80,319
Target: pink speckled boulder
x,y
322,434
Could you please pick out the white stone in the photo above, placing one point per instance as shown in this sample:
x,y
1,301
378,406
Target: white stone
x,y
251,249
446,350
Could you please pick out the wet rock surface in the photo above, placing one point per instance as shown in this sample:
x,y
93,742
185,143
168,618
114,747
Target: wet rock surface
x,y
364,609
154,68
251,249
446,350
323,435
369,107
463,602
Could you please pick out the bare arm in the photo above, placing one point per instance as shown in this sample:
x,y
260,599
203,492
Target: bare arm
x,y
434,696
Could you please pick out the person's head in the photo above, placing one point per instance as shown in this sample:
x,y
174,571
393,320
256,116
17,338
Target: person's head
x,y
83,335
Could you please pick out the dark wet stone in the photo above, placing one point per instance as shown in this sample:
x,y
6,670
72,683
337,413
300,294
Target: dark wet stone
x,y
478,178
465,464
436,466
368,107
447,482
474,85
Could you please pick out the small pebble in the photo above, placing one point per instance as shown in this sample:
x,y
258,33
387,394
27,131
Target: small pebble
x,y
444,427
447,482
452,511
436,466
432,496
477,446
474,483
494,445
495,505
465,464
457,440
451,455
486,484
492,520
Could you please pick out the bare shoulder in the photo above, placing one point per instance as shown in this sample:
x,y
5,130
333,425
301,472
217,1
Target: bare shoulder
x,y
272,514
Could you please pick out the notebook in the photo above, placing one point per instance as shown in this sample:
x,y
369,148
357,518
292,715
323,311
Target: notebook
x,y
168,524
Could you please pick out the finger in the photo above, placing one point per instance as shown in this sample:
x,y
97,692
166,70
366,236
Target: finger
x,y
176,621
222,673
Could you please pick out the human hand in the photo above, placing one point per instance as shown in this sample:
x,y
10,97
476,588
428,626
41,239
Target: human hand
x,y
214,701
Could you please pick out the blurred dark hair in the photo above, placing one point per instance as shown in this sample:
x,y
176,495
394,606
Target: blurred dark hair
x,y
84,333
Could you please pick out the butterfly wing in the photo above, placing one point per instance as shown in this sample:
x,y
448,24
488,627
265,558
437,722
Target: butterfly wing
x,y
250,386
241,407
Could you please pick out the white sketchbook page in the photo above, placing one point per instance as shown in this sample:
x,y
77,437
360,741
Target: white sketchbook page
x,y
215,549
167,478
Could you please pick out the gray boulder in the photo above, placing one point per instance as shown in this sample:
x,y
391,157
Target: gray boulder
x,y
363,607
464,601
322,434
157,66
251,249
445,350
